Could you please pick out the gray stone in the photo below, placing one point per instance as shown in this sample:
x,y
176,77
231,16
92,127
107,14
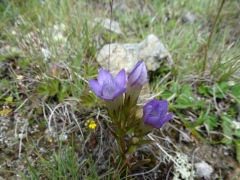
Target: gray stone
x,y
151,51
203,170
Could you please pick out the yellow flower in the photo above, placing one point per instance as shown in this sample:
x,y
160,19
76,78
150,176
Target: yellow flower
x,y
92,125
5,112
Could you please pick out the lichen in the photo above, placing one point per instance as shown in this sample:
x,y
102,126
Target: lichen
x,y
184,168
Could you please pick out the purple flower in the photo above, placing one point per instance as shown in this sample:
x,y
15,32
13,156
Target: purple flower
x,y
107,87
136,79
154,113
138,76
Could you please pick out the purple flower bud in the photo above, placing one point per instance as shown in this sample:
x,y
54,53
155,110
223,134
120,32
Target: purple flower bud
x,y
107,87
138,76
136,79
154,113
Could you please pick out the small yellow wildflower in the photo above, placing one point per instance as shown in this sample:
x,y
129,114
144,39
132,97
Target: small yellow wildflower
x,y
92,125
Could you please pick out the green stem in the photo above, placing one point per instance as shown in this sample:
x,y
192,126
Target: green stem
x,y
210,36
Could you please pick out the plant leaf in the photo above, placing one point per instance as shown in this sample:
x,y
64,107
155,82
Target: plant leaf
x,y
235,90
237,147
227,130
142,142
140,163
120,132
132,148
166,94
211,121
9,99
203,90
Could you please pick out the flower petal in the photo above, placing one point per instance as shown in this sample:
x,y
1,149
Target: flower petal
x,y
106,98
163,105
135,73
138,76
153,120
165,119
153,103
142,79
110,90
135,67
146,111
121,79
104,77
121,91
96,87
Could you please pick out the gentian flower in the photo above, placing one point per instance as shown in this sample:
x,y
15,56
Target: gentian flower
x,y
154,113
111,90
136,79
138,76
107,87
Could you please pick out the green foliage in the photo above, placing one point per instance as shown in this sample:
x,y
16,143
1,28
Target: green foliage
x,y
211,121
237,147
53,87
187,99
223,70
166,94
235,92
9,99
203,90
90,71
91,174
227,129
23,64
218,90
231,130
88,99
64,164
5,83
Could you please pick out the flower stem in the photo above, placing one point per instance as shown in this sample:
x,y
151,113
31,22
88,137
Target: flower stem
x,y
210,36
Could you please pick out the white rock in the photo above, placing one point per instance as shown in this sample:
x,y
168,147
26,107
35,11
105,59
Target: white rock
x,y
151,51
203,169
